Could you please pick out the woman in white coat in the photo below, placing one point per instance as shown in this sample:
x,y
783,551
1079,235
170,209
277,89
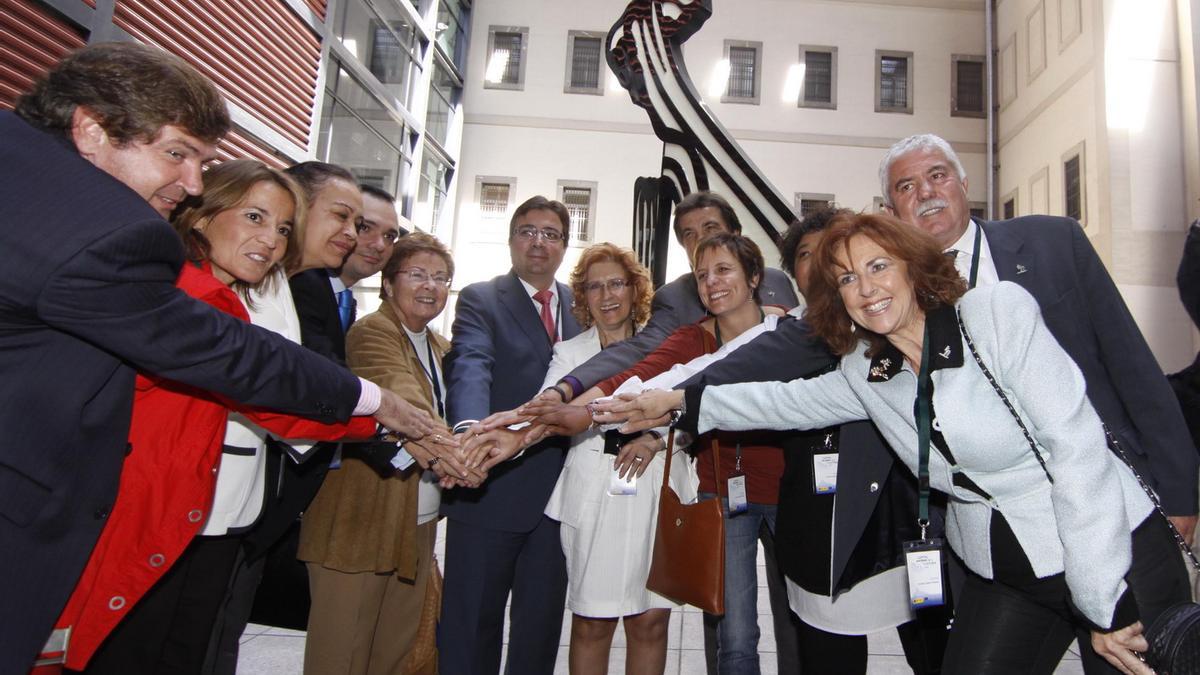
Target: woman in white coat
x,y
606,532
974,392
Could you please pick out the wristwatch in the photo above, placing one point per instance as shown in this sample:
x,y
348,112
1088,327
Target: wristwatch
x,y
677,413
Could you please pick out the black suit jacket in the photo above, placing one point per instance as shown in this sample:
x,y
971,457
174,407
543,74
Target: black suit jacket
x,y
87,294
497,361
1052,258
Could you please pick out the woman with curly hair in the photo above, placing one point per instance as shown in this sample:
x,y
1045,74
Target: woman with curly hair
x,y
606,536
979,400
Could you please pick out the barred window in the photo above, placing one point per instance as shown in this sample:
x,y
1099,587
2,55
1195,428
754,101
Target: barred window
x,y
1073,187
893,82
493,200
505,68
585,62
818,77
743,62
578,201
508,50
968,87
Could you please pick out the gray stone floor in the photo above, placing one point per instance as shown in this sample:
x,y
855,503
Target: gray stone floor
x,y
276,651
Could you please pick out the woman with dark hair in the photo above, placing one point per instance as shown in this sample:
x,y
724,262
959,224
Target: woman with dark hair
x,y
1059,539
143,604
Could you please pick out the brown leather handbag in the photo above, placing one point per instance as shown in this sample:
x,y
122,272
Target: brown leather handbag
x,y
689,545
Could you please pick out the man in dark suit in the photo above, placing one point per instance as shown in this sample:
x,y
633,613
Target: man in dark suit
x,y
90,169
497,537
676,304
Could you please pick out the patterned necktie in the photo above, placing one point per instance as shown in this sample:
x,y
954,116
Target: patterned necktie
x,y
345,302
544,298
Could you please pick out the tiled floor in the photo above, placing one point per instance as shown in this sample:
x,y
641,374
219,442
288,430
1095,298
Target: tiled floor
x,y
276,651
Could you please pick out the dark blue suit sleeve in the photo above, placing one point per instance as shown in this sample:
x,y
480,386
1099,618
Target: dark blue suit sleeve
x,y
621,356
787,353
119,294
468,365
1188,277
1139,382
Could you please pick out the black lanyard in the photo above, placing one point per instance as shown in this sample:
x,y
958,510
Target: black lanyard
x,y
974,261
924,405
430,372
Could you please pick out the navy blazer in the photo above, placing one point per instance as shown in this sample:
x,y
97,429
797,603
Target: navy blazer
x,y
675,304
87,294
498,357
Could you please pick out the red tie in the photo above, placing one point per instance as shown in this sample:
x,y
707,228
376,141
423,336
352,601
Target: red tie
x,y
544,298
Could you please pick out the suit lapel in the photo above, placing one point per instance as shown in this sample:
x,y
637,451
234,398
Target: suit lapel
x,y
520,307
566,319
1014,262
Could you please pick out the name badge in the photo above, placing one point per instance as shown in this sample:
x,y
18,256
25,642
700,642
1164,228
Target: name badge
x,y
622,487
737,495
923,559
825,473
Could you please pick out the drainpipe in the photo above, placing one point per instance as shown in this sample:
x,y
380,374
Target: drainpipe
x,y
993,167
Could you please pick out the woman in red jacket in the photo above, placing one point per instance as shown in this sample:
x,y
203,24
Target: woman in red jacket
x,y
236,233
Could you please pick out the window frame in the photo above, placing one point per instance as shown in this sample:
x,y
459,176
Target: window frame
x,y
519,85
758,63
1077,150
485,232
801,197
831,104
592,187
955,59
1014,197
880,54
572,35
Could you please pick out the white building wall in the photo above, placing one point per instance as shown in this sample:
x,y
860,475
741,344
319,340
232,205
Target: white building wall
x,y
541,135
1110,81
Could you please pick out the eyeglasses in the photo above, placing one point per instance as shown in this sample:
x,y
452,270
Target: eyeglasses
x,y
529,233
613,285
419,276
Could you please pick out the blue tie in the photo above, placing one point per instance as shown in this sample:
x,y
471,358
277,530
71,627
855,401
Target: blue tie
x,y
345,300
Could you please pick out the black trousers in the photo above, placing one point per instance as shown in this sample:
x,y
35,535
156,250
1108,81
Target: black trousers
x,y
1002,629
167,632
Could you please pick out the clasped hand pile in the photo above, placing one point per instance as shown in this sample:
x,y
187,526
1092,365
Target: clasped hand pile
x,y
503,435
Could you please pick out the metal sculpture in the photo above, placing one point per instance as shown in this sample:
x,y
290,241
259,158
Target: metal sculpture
x,y
645,53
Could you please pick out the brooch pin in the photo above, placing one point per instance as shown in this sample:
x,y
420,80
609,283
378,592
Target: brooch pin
x,y
879,373
945,353
1021,269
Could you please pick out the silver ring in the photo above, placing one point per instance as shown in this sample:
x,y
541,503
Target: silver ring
x,y
435,460
636,458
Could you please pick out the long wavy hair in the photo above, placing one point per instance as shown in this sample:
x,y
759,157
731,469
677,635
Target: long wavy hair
x,y
935,280
643,288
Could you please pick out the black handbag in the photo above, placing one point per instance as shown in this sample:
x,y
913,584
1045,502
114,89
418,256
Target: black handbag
x,y
1174,636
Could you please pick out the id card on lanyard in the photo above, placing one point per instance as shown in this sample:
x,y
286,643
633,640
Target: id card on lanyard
x,y
738,503
923,557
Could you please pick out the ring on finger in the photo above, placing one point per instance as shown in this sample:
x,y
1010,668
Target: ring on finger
x,y
637,458
435,460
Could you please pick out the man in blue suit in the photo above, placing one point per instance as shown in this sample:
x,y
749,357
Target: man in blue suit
x,y
91,162
497,537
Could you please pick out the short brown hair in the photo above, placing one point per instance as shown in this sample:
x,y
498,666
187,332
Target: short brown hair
x,y
539,202
225,186
133,89
410,245
743,249
706,199
643,288
934,278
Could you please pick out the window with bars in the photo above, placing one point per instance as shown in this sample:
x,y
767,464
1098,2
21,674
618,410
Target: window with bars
x,y
505,67
578,201
967,87
745,74
808,203
1010,208
493,200
893,82
1073,174
584,63
818,77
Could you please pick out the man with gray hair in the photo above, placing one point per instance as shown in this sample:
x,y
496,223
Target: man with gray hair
x,y
924,184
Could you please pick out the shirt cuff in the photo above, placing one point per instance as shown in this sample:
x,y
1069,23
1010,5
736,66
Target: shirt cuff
x,y
402,460
369,398
575,385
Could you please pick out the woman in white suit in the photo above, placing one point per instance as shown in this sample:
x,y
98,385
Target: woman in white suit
x,y
974,392
606,535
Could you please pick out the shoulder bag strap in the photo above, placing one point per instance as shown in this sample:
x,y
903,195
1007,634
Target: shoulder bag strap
x,y
1000,392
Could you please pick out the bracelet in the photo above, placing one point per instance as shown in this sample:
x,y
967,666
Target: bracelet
x,y
678,413
556,390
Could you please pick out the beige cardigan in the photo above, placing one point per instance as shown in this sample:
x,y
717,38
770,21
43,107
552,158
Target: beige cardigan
x,y
359,521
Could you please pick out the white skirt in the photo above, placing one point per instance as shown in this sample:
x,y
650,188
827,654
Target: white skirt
x,y
608,539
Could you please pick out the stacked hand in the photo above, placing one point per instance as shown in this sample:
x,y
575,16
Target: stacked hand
x,y
639,412
635,455
441,453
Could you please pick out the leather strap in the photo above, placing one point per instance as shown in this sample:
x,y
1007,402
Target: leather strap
x,y
716,453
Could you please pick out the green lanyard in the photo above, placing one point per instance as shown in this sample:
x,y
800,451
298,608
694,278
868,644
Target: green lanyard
x,y
974,261
924,404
